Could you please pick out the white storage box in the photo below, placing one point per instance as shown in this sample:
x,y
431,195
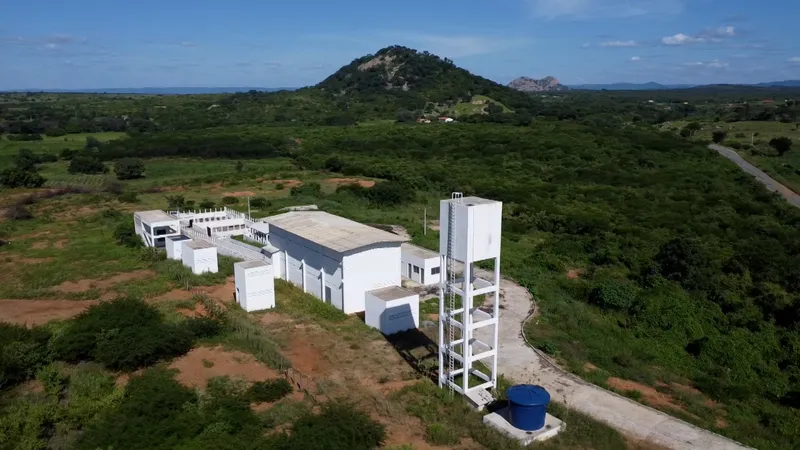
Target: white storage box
x,y
199,256
392,309
175,247
255,285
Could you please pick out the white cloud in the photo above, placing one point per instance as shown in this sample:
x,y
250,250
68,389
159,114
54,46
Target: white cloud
x,y
795,59
681,39
712,35
589,9
635,58
619,44
586,45
715,64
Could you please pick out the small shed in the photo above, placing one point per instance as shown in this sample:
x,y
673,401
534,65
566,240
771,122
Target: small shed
x,y
392,310
420,264
175,246
199,256
255,285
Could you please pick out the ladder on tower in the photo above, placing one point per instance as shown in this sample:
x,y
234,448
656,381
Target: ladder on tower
x,y
455,199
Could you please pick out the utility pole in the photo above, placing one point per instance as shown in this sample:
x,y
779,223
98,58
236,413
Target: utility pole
x,y
752,138
425,222
248,207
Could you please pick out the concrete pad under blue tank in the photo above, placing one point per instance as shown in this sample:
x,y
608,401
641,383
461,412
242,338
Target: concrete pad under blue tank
x,y
527,409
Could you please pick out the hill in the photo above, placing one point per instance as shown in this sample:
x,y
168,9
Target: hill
x,y
547,84
178,90
400,77
653,86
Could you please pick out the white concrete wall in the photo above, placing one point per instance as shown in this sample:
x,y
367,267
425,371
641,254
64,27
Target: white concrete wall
x,y
255,287
175,247
367,270
316,260
392,316
478,230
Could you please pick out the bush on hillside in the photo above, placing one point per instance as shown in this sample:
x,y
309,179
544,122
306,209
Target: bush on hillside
x,y
613,294
340,426
123,334
259,202
206,204
269,391
129,168
307,189
86,164
22,353
228,200
125,234
16,177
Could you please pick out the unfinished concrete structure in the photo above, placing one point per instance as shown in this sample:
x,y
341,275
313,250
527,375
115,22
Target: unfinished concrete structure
x,y
335,259
470,232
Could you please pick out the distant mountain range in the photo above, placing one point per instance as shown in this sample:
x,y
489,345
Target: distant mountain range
x,y
160,90
653,86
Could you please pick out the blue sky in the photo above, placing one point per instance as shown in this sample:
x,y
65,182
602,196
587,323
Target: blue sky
x,y
105,44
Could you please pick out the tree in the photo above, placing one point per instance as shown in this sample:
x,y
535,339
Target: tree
x,y
67,154
239,167
92,142
259,202
129,168
781,144
26,160
404,116
206,204
718,136
176,201
86,164
228,200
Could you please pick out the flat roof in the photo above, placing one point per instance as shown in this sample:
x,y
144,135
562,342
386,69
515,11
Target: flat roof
x,y
260,226
179,238
392,293
418,251
251,264
469,201
331,231
199,245
155,215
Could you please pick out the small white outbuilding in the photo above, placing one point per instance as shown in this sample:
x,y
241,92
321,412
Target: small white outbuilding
x,y
175,247
420,264
392,310
255,285
199,256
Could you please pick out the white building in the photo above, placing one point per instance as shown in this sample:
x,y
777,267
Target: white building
x,y
420,264
333,258
199,256
175,247
255,285
392,310
155,226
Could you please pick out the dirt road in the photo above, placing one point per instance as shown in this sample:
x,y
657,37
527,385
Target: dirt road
x,y
790,196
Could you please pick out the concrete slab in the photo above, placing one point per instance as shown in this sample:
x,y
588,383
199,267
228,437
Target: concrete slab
x,y
498,420
478,399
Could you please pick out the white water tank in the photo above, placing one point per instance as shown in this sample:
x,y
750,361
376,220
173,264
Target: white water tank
x,y
477,228
255,285
175,246
199,256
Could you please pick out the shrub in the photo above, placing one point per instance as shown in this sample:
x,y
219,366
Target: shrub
x,y
279,187
269,391
92,142
442,434
129,168
22,353
114,187
206,204
52,379
47,158
87,165
128,197
123,334
259,202
613,294
309,189
203,327
718,136
176,201
781,144
229,200
18,212
339,426
67,153
125,234
16,177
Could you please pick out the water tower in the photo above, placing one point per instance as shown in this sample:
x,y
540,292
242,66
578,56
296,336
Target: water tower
x,y
469,305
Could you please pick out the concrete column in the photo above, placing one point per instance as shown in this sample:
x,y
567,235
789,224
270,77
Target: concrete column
x,y
322,283
303,273
442,376
286,265
496,315
466,301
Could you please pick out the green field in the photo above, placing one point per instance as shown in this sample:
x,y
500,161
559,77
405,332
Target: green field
x,y
785,169
52,145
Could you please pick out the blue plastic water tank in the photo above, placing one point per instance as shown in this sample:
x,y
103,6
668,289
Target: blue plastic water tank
x,y
527,406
